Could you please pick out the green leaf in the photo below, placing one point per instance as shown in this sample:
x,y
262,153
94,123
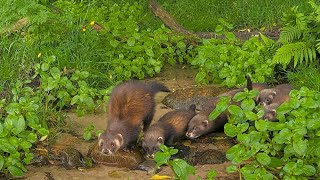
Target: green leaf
x,y
263,158
161,158
313,124
182,169
230,130
173,151
261,125
15,171
26,145
87,135
283,136
232,169
235,110
149,52
248,104
242,127
75,99
251,115
211,174
1,162
218,29
239,96
275,162
43,131
131,41
309,170
300,146
236,153
10,121
32,137
200,76
114,43
19,125
244,138
289,167
55,73
45,66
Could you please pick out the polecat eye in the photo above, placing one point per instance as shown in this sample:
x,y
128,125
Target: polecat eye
x,y
112,144
155,149
196,128
101,144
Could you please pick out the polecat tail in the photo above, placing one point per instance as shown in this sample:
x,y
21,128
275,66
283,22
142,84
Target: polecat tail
x,y
155,87
249,82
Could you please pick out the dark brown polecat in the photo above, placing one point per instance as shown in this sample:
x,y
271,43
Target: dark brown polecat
x,y
278,94
130,106
200,124
170,127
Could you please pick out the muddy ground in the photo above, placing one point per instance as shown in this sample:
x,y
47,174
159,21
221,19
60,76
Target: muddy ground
x,y
178,77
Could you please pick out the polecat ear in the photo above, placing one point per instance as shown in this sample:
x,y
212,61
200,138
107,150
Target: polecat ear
x,y
160,140
274,93
258,99
100,142
205,122
120,138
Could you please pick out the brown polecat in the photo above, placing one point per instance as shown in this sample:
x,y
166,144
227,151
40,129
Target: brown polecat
x,y
170,127
200,124
130,106
278,94
270,111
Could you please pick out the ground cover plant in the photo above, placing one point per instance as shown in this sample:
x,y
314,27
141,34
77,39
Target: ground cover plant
x,y
100,37
227,61
24,115
288,149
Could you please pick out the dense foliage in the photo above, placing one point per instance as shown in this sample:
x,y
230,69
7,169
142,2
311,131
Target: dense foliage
x,y
100,37
24,116
287,149
227,61
300,37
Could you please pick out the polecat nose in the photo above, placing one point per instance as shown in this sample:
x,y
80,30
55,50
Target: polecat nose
x,y
106,151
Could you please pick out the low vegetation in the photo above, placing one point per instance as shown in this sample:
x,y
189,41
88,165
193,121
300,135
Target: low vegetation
x,y
287,149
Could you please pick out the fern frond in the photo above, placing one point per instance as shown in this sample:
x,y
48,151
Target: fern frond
x,y
289,34
268,42
316,9
299,51
318,45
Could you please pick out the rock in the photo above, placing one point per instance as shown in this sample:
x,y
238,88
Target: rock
x,y
119,159
183,98
71,158
208,156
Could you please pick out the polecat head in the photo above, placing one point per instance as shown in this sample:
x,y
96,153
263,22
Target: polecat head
x,y
266,96
109,142
197,126
270,112
150,144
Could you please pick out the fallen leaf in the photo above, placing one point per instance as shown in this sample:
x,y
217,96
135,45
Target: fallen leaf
x,y
160,177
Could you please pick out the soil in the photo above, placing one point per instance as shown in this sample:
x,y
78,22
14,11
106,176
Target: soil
x,y
206,153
